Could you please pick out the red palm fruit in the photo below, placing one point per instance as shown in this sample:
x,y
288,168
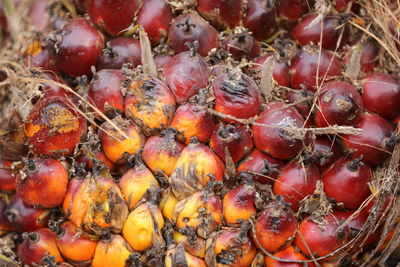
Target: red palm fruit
x,y
266,166
43,182
74,245
232,248
381,88
341,5
347,182
289,253
239,202
149,103
296,181
49,89
339,104
192,170
193,120
40,57
36,245
222,14
111,250
308,63
280,71
87,158
23,217
321,239
155,17
120,51
7,176
324,151
242,45
5,224
114,144
78,47
275,226
186,73
160,153
294,9
302,100
112,16
73,187
369,54
331,32
190,27
105,91
162,60
54,128
236,94
272,139
260,18
186,212
236,139
374,142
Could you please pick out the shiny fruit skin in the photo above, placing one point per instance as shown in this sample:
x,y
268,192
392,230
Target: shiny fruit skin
x,y
239,204
340,104
347,182
325,151
155,17
196,247
87,159
280,71
296,182
379,88
49,89
33,251
242,45
167,204
190,27
111,251
120,51
53,127
293,9
221,13
7,176
44,183
260,18
288,253
277,142
79,48
73,187
112,16
371,143
40,57
176,255
308,62
186,74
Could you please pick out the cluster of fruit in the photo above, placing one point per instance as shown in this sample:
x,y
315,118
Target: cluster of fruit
x,y
230,134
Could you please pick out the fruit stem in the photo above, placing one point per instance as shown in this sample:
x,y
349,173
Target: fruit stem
x,y
392,140
243,231
32,237
269,168
30,165
134,260
355,164
187,26
49,261
192,48
154,195
55,226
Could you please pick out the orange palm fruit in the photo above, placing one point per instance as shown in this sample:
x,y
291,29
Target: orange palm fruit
x,y
111,250
167,204
288,253
7,176
192,244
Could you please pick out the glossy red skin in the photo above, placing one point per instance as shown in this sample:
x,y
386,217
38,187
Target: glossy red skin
x,y
46,142
38,15
79,49
280,71
324,145
221,13
112,16
5,225
44,60
256,161
204,33
73,187
162,60
305,65
321,243
46,186
297,98
339,104
273,141
120,51
274,226
370,143
296,182
155,17
341,5
369,55
25,218
7,176
242,46
236,138
293,9
239,204
237,95
105,87
381,94
347,186
288,253
330,32
260,19
193,120
186,75
50,90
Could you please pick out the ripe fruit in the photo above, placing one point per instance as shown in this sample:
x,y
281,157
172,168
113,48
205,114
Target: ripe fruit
x,y
119,52
289,253
190,27
379,88
302,100
40,57
374,142
112,16
275,226
54,128
220,13
270,135
260,18
192,244
149,103
43,183
309,62
242,45
293,9
325,150
7,176
78,47
167,204
111,250
296,181
49,89
339,104
280,71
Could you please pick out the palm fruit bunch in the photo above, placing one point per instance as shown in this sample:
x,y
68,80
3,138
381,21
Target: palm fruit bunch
x,y
199,133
